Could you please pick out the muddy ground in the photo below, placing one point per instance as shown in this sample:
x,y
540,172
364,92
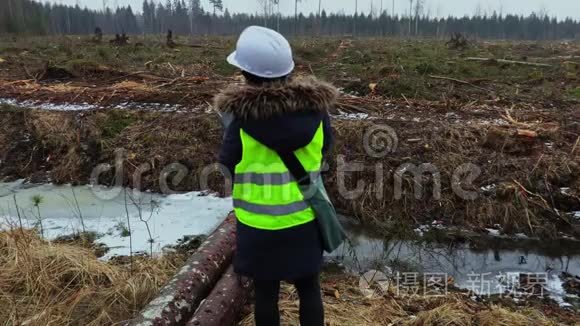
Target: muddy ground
x,y
503,138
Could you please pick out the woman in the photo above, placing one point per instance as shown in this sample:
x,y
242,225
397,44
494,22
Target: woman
x,y
275,116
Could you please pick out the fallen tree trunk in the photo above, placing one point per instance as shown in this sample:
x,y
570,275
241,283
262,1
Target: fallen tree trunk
x,y
535,64
179,299
459,81
222,307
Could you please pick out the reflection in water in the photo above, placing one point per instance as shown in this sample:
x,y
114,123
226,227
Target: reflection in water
x,y
494,264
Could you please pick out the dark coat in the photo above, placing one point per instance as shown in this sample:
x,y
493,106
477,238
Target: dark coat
x,y
283,117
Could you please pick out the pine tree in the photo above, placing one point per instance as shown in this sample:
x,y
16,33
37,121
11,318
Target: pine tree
x,y
217,5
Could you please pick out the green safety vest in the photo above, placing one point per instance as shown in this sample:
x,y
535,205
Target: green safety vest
x,y
266,196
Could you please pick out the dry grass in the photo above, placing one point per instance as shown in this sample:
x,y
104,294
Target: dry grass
x,y
498,316
44,283
190,141
61,142
345,305
455,313
54,129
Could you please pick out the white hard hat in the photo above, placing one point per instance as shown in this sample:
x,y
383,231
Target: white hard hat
x,y
263,52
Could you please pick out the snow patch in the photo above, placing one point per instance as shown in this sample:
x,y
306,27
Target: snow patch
x,y
169,218
565,190
48,106
521,236
158,107
352,116
488,188
494,232
556,290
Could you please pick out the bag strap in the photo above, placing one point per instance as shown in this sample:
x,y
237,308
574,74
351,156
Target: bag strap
x,y
296,168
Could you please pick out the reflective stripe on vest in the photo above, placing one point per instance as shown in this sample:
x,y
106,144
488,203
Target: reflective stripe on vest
x,y
274,210
266,196
268,178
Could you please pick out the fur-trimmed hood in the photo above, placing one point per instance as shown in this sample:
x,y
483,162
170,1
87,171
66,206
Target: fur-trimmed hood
x,y
302,94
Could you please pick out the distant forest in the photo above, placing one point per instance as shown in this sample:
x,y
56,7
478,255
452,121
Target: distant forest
x,y
189,18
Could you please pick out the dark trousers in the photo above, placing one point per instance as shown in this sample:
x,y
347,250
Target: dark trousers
x,y
311,308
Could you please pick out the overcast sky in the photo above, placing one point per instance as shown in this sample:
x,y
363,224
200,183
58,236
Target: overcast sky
x,y
559,8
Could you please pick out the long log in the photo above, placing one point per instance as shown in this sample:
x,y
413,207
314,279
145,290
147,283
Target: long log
x,y
179,299
459,81
525,63
224,304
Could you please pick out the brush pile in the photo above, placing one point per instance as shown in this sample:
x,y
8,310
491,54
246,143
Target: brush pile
x,y
524,181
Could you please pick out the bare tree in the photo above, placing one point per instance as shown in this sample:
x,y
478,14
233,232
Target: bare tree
x,y
130,232
268,8
419,5
439,11
76,208
17,208
478,10
410,15
264,5
543,11
138,203
355,15
278,14
373,10
296,15
10,8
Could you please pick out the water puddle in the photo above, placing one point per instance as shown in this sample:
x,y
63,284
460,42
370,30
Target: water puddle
x,y
105,211
494,267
